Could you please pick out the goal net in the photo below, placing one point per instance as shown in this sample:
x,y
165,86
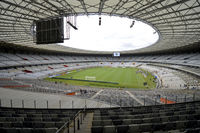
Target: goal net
x,y
90,78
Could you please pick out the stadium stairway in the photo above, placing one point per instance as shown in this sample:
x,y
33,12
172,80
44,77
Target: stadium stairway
x,y
86,125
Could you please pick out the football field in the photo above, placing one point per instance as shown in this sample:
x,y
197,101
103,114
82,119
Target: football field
x,y
116,77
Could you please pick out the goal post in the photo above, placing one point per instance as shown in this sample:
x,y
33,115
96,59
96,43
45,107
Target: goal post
x,y
90,78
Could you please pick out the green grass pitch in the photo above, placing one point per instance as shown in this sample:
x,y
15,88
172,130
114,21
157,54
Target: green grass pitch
x,y
128,77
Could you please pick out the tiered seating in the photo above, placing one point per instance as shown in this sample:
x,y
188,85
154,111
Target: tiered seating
x,y
13,60
182,59
30,120
8,83
24,59
84,92
146,97
31,60
192,82
156,97
178,117
116,97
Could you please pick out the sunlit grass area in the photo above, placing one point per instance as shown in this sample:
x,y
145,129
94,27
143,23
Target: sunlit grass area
x,y
117,77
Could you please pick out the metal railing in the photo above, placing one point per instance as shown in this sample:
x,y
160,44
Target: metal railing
x,y
108,101
48,104
76,121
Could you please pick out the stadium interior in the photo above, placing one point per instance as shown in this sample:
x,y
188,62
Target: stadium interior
x,y
31,104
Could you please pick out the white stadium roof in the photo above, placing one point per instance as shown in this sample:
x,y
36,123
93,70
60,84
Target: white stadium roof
x,y
176,21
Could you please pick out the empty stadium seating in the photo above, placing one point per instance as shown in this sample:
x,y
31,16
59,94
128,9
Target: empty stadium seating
x,y
176,118
16,70
37,66
162,118
24,59
33,120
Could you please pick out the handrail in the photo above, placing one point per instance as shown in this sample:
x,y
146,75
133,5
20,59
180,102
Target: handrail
x,y
68,122
63,127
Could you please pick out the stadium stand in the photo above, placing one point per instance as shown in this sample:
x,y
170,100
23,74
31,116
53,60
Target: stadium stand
x,y
28,104
161,118
20,72
34,120
117,97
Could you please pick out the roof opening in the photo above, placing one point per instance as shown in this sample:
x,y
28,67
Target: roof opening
x,y
110,33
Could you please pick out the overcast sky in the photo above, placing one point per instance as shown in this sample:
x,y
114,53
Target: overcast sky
x,y
114,34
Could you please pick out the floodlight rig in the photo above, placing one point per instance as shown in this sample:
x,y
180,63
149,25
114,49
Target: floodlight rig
x,y
132,24
99,21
